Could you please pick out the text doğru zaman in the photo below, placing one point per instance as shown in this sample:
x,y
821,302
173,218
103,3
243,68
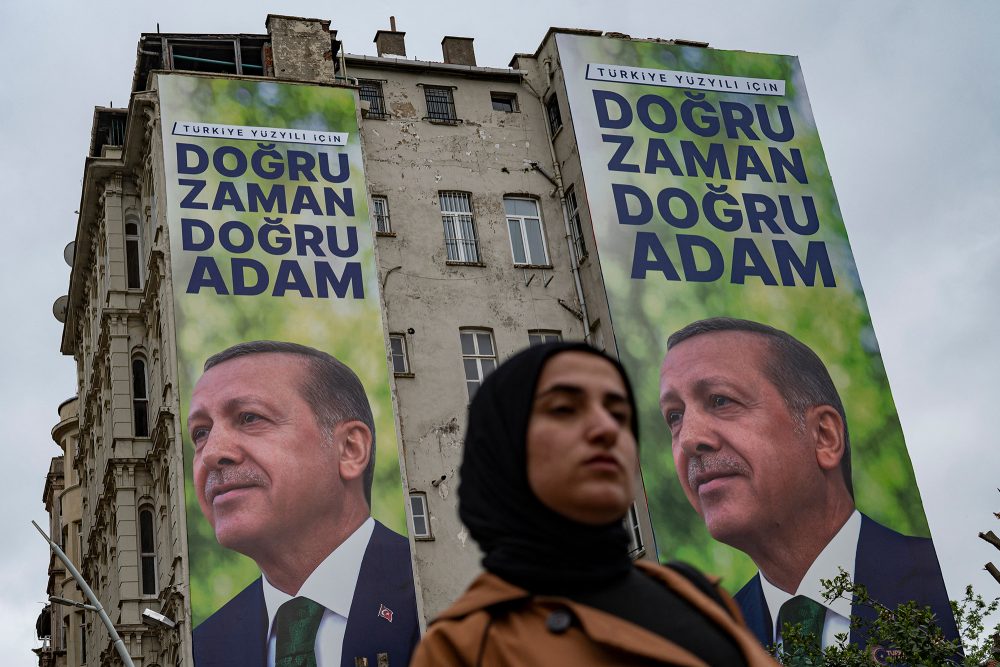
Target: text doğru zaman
x,y
313,176
762,155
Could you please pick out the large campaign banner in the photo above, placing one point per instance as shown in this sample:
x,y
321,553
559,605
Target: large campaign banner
x,y
289,435
710,198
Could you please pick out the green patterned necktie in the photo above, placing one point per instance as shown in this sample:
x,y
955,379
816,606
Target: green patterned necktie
x,y
806,613
295,633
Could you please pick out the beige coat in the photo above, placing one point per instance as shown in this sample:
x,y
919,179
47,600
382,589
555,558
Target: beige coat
x,y
554,631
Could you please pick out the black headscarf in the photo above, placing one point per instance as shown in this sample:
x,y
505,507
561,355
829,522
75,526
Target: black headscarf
x,y
524,541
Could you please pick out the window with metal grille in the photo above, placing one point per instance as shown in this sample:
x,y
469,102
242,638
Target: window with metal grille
x,y
459,228
421,517
527,239
575,226
552,111
397,354
478,356
440,104
380,214
506,102
147,552
133,253
371,92
540,336
140,399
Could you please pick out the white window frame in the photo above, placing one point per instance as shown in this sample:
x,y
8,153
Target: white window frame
x,y
380,214
401,354
517,228
460,238
541,336
420,514
575,226
477,363
506,96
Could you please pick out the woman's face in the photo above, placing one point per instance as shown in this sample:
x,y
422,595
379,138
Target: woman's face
x,y
581,452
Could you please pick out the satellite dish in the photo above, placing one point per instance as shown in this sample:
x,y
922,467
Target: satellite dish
x,y
69,251
59,308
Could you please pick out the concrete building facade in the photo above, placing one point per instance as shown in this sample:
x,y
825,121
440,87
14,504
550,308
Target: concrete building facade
x,y
463,163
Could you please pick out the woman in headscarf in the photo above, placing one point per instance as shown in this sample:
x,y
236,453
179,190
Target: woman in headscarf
x,y
547,476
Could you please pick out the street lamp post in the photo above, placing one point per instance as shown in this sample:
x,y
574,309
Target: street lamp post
x,y
95,604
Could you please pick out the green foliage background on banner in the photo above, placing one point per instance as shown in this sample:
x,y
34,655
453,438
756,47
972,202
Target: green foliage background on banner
x,y
349,329
833,321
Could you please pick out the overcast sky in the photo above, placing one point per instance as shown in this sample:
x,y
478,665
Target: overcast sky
x,y
905,94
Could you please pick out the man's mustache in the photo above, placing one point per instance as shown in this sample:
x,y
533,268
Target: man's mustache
x,y
232,477
715,465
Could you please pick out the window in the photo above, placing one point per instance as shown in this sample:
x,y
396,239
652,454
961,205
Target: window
x,y
78,526
631,520
504,102
147,552
459,230
83,638
575,228
527,242
421,517
133,253
371,92
380,214
224,56
140,399
552,112
397,354
440,104
478,356
540,336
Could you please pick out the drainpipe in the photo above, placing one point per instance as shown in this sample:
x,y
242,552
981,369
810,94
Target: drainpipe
x,y
557,181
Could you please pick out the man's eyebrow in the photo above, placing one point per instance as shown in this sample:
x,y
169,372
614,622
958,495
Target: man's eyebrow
x,y
235,403
701,386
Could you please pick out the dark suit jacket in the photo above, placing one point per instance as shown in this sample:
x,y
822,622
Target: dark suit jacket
x,y
236,635
893,567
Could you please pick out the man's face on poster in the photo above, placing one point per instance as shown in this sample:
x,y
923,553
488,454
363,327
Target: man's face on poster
x,y
264,470
743,460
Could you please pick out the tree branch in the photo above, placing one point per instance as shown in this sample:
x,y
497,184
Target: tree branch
x,y
991,537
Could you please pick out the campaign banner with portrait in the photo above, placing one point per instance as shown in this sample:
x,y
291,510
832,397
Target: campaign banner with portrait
x,y
710,197
289,437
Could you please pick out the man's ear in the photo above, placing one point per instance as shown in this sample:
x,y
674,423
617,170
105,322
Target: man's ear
x,y
826,427
355,441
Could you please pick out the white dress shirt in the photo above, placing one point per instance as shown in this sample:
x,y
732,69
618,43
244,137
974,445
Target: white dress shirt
x,y
332,585
840,552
